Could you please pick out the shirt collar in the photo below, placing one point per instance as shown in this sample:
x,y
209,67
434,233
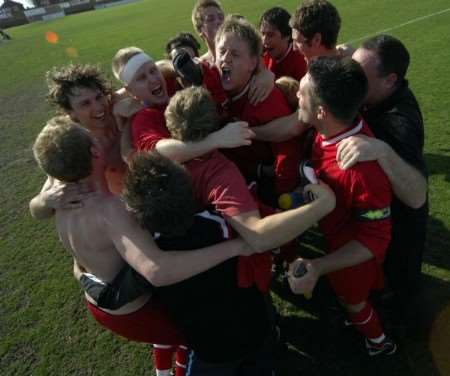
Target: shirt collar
x,y
285,55
340,136
238,96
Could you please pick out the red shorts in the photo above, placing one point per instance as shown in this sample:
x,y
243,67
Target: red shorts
x,y
352,285
149,324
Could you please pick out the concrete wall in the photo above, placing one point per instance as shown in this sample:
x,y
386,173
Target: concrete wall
x,y
56,11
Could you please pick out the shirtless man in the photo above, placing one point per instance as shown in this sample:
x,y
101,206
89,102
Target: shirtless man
x,y
102,235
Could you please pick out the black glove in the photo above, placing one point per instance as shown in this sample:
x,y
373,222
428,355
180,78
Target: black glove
x,y
187,68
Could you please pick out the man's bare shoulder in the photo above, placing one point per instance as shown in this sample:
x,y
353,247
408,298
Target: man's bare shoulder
x,y
113,209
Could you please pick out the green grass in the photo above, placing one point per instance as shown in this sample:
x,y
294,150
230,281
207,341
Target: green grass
x,y
44,327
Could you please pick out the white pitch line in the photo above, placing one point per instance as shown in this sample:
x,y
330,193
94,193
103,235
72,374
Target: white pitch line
x,y
401,25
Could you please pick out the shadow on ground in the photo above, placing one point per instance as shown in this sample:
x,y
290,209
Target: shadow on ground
x,y
320,343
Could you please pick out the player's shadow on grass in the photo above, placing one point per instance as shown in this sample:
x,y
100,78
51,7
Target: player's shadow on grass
x,y
339,350
439,164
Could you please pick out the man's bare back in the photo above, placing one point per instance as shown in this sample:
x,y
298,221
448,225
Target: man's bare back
x,y
83,232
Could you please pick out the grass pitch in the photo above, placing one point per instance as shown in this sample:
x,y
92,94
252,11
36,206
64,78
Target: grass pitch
x,y
44,327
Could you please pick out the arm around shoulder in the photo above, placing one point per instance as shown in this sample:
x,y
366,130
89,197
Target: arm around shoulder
x,y
277,229
408,184
138,249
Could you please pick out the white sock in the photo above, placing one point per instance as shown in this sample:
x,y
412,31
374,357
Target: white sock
x,y
165,372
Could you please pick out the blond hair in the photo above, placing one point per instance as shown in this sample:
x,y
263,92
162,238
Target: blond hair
x,y
289,87
192,114
122,57
245,31
63,150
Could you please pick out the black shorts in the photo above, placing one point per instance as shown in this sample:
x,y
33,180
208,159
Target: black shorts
x,y
260,363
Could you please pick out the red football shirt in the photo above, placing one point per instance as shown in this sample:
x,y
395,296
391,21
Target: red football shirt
x,y
284,155
292,64
148,126
218,182
360,188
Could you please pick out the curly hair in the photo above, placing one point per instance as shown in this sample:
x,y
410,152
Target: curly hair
x,y
63,81
192,114
159,192
317,16
63,150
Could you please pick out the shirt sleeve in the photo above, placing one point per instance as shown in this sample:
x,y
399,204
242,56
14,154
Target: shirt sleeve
x,y
371,199
147,128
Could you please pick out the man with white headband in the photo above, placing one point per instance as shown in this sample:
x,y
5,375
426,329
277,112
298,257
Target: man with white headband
x,y
143,80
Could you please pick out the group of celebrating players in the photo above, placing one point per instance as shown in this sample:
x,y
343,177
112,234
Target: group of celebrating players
x,y
167,191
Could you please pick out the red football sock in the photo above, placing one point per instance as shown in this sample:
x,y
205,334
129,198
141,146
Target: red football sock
x,y
367,322
181,361
163,355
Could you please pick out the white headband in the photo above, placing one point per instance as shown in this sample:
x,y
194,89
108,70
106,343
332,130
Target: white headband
x,y
132,65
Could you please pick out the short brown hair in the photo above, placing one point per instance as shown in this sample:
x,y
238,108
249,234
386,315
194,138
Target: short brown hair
x,y
317,16
331,78
392,55
289,87
192,114
244,30
160,194
62,81
63,150
182,39
121,58
197,12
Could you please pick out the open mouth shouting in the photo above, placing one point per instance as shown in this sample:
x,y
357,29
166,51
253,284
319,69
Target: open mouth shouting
x,y
99,116
226,75
158,91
